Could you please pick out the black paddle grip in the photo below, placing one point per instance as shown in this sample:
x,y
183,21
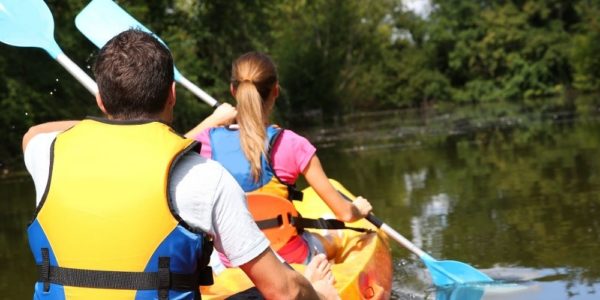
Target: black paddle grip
x,y
374,220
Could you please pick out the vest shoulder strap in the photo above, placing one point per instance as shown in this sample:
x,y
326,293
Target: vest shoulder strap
x,y
293,193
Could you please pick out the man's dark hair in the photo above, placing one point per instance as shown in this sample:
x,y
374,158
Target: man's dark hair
x,y
134,72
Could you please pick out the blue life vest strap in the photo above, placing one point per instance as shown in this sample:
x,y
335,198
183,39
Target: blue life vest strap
x,y
293,192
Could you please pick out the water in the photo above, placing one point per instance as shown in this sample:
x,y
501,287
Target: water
x,y
513,192
17,273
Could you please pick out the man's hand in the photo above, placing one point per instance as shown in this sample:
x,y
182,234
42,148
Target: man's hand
x,y
275,280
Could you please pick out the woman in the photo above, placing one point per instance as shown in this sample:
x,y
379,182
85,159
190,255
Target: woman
x,y
265,158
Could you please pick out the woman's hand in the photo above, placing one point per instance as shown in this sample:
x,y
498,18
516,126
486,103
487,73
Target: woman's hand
x,y
224,114
362,206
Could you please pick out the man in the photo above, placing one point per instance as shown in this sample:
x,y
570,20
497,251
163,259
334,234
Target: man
x,y
125,209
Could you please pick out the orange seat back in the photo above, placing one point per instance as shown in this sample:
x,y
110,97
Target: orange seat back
x,y
264,206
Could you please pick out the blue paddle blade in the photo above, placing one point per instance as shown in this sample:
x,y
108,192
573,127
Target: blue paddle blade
x,y
461,292
101,20
447,272
28,23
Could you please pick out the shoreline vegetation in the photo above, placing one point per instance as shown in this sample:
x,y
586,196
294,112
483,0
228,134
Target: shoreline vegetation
x,y
412,127
338,59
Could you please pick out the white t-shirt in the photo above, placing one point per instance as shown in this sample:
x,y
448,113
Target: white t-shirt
x,y
205,196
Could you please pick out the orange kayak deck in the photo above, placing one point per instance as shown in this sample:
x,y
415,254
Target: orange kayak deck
x,y
362,265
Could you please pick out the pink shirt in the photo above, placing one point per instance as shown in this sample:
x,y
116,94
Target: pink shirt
x,y
290,154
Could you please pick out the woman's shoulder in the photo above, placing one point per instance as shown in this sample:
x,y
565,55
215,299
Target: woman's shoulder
x,y
290,140
292,136
285,131
291,153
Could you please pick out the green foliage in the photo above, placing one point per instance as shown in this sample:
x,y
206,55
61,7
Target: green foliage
x,y
505,49
410,77
35,89
330,53
585,52
205,37
334,56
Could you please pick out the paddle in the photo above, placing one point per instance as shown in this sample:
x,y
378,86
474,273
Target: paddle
x,y
101,20
29,23
443,272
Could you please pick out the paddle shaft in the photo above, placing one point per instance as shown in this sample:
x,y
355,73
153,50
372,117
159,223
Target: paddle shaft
x,y
91,85
101,20
198,91
395,235
78,73
442,272
430,262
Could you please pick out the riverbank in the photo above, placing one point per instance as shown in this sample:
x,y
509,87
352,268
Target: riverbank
x,y
403,127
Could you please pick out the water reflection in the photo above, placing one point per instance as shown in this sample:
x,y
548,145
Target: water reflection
x,y
515,194
17,273
520,191
428,226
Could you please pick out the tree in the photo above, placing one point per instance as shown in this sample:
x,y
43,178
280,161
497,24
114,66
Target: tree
x,y
330,54
585,52
504,49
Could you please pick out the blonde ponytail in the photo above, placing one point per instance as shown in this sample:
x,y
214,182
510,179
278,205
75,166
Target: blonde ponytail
x,y
252,127
253,78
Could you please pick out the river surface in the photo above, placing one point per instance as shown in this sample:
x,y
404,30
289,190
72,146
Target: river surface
x,y
514,192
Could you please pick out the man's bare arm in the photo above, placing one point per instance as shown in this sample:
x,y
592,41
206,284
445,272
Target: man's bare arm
x,y
45,128
276,281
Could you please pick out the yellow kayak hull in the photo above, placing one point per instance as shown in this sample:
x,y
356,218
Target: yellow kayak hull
x,y
362,266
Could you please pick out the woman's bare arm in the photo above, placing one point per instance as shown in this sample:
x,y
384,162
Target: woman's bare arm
x,y
343,210
224,114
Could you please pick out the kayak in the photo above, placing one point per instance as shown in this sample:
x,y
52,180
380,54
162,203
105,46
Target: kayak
x,y
362,266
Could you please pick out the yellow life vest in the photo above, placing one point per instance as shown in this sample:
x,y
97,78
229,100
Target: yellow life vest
x,y
105,228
